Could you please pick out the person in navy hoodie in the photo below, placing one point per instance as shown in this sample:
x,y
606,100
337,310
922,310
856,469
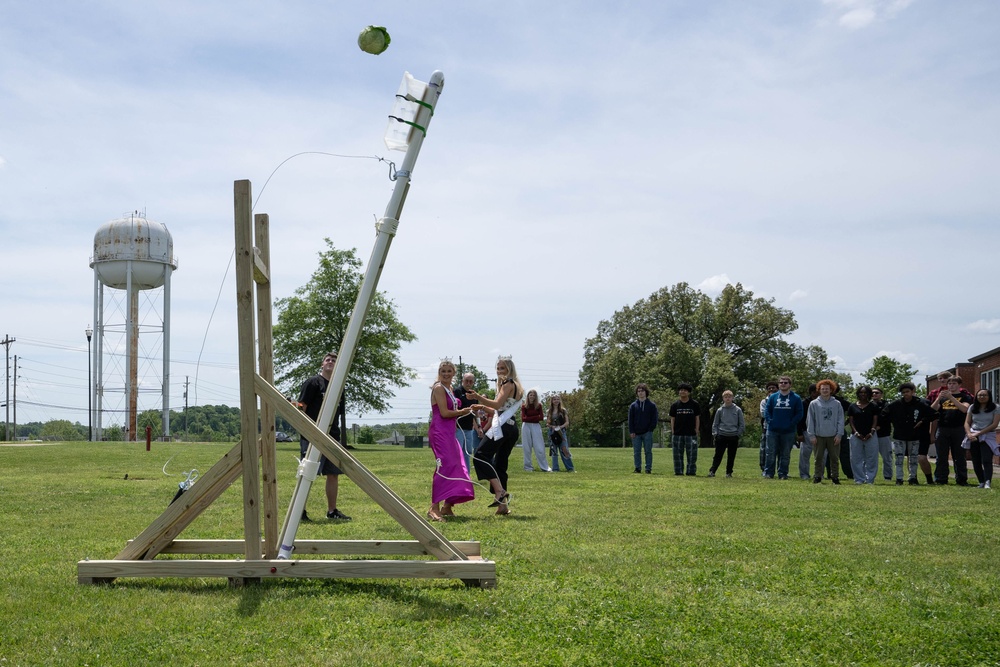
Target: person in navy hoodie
x,y
784,410
642,420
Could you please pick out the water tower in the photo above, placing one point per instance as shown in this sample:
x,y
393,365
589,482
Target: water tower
x,y
133,257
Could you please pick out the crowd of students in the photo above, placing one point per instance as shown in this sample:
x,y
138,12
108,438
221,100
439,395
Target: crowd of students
x,y
835,435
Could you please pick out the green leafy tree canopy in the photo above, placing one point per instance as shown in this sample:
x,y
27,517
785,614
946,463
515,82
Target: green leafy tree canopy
x,y
888,373
734,341
314,322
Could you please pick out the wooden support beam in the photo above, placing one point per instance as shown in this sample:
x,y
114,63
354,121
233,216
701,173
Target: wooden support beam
x,y
180,513
96,571
261,270
322,547
265,364
243,205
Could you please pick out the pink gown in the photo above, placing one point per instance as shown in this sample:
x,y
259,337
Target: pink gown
x,y
451,483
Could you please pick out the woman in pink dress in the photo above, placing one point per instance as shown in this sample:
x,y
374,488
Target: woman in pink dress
x,y
451,484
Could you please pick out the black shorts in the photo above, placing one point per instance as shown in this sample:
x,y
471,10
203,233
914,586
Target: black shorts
x,y
925,446
326,466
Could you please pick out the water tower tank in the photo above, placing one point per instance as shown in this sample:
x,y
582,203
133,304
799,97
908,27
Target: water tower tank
x,y
146,243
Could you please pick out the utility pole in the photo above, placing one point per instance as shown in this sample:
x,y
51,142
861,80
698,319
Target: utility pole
x,y
14,438
6,342
186,383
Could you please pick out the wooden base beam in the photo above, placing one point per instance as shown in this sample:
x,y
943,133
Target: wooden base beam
x,y
481,571
322,547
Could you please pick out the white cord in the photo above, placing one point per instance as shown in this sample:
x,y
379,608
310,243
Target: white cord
x,y
189,476
482,485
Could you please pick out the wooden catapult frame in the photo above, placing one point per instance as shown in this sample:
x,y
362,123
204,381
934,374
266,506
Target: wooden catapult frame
x,y
254,458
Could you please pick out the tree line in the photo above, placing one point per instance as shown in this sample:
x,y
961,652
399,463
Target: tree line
x,y
734,341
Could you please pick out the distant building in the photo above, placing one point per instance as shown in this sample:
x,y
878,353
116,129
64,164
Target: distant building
x,y
979,372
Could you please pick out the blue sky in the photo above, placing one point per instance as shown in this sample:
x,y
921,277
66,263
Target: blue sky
x,y
836,155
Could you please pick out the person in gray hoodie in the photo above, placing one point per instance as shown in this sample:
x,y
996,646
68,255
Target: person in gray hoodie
x,y
727,427
824,429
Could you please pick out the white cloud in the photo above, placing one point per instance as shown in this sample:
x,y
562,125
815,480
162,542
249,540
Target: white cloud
x,y
797,295
2,162
903,357
858,18
715,284
984,326
859,14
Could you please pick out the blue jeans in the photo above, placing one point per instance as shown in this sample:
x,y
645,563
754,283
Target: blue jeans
x,y
779,450
805,453
643,441
469,440
563,453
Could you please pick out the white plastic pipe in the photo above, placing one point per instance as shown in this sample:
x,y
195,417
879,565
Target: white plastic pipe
x,y
386,230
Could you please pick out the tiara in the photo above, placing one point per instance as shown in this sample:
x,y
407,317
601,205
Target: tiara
x,y
504,357
444,359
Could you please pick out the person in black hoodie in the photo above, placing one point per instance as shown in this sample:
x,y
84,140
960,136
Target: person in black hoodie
x,y
909,417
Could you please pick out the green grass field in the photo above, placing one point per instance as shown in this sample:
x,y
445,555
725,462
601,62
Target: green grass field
x,y
601,567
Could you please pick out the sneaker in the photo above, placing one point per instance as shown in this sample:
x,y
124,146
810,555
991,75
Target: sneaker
x,y
690,474
913,482
962,483
836,480
711,473
941,482
337,514
782,476
649,472
987,485
305,517
729,474
899,482
930,480
817,480
982,486
636,470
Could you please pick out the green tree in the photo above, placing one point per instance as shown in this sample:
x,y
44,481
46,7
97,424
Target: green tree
x,y
366,435
151,418
678,334
888,373
62,430
314,322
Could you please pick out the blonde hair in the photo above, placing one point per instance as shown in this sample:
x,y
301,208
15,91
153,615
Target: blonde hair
x,y
511,375
445,364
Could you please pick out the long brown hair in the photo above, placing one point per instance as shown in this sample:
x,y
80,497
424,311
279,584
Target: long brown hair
x,y
552,406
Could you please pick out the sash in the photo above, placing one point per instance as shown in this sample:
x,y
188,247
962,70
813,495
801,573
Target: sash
x,y
496,426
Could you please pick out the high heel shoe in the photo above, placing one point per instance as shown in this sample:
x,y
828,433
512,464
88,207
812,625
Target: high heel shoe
x,y
502,500
434,516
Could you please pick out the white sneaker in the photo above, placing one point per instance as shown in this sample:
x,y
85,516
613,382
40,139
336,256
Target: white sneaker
x,y
987,485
